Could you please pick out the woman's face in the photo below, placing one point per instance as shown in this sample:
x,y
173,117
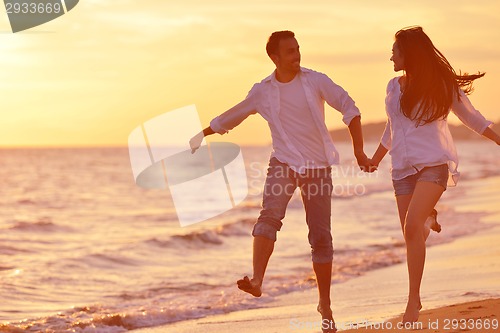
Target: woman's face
x,y
397,58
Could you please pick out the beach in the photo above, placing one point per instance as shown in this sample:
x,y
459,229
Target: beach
x,y
136,160
477,316
461,292
84,249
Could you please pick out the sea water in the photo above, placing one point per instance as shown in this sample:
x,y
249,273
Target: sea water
x,y
83,249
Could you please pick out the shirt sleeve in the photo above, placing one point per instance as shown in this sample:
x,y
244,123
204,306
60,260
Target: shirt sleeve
x,y
466,112
235,115
339,99
386,139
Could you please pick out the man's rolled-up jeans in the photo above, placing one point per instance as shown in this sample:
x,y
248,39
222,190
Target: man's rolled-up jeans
x,y
315,188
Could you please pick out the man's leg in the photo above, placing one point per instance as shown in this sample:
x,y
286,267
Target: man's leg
x,y
316,196
324,279
262,249
279,188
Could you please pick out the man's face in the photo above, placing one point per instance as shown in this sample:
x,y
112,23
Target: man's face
x,y
288,57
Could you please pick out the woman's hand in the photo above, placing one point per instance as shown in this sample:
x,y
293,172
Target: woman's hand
x,y
365,164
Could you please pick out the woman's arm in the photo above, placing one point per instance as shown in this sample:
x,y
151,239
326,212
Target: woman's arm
x,y
465,111
384,146
379,155
472,118
492,135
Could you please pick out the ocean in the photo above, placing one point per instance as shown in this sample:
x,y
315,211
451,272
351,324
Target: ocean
x,y
84,249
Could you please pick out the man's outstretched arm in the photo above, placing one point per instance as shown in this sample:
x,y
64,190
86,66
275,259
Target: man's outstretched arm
x,y
225,122
196,140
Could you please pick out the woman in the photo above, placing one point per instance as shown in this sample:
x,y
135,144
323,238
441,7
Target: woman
x,y
419,141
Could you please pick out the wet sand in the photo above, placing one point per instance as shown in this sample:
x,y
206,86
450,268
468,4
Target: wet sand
x,y
460,292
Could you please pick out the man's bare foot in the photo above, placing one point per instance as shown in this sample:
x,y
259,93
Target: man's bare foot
x,y
327,322
412,311
250,286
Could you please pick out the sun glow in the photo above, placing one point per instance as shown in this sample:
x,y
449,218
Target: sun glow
x,y
94,74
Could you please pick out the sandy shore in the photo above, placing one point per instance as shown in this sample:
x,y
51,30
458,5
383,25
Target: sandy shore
x,y
478,316
458,273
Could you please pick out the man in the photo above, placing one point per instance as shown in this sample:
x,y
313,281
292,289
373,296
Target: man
x,y
292,100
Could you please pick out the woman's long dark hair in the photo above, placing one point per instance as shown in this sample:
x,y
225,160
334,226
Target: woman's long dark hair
x,y
431,82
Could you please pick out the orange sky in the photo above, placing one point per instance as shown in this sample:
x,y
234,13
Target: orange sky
x,y
93,75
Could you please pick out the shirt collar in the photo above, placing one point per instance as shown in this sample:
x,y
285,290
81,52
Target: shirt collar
x,y
272,77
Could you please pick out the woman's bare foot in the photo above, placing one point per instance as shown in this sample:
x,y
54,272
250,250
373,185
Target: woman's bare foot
x,y
327,322
431,224
250,286
435,226
412,311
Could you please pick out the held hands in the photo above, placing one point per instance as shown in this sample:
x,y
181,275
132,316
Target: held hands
x,y
365,164
196,141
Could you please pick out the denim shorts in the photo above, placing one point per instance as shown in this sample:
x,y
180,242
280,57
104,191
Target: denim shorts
x,y
436,174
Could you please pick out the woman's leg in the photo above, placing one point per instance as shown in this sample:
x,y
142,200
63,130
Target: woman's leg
x,y
403,201
423,200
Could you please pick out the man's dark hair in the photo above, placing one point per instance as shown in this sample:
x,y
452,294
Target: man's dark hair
x,y
273,43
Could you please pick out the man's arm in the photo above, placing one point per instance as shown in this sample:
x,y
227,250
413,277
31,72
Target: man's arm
x,y
225,122
196,140
357,144
335,96
339,99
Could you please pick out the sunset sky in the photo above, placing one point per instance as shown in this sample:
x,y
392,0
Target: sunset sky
x,y
93,75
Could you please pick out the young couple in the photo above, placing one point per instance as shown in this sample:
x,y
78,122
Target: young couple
x,y
416,136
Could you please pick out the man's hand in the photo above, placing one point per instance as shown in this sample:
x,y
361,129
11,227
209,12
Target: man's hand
x,y
196,141
373,167
365,164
